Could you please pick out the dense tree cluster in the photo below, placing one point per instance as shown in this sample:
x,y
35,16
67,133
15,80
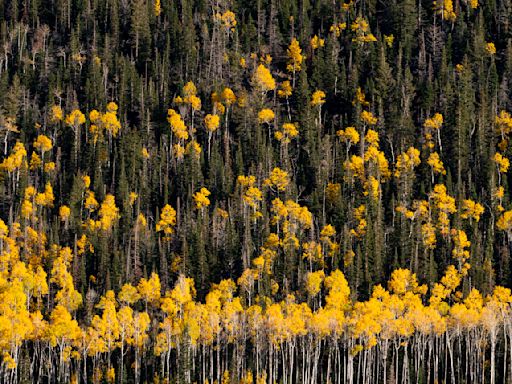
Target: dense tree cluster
x,y
255,191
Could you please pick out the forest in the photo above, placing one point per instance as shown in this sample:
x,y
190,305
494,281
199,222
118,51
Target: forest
x,y
255,191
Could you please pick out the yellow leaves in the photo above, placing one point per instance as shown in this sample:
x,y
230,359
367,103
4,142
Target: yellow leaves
x,y
407,161
460,242
359,216
336,29
56,114
445,9
349,135
177,125
316,42
228,96
27,209
49,167
333,192
502,163
263,79
504,122
246,181
294,53
167,221
389,39
67,296
338,290
318,98
189,89
251,196
179,151
372,188
377,161
434,123
157,8
265,116
43,143
436,164
362,31
428,235
314,282
194,149
201,198
312,251
149,290
63,329
9,362
108,213
64,212
227,19
104,121
471,210
184,291
75,118
445,204
278,179
35,161
289,132
504,223
111,372
490,48
90,201
285,90
368,118
16,159
212,122
355,167
360,98
4,230
403,281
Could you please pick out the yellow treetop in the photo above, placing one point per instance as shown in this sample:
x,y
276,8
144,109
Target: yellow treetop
x,y
362,31
407,161
436,164
56,114
201,198
212,122
502,163
368,118
294,53
278,179
490,48
64,212
318,98
471,209
177,124
266,116
108,213
263,79
43,143
75,118
316,42
167,221
434,123
285,90
349,135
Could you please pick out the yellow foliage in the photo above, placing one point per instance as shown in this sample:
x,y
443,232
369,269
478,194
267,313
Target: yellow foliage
x,y
201,198
263,79
265,116
277,179
318,98
294,53
167,221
